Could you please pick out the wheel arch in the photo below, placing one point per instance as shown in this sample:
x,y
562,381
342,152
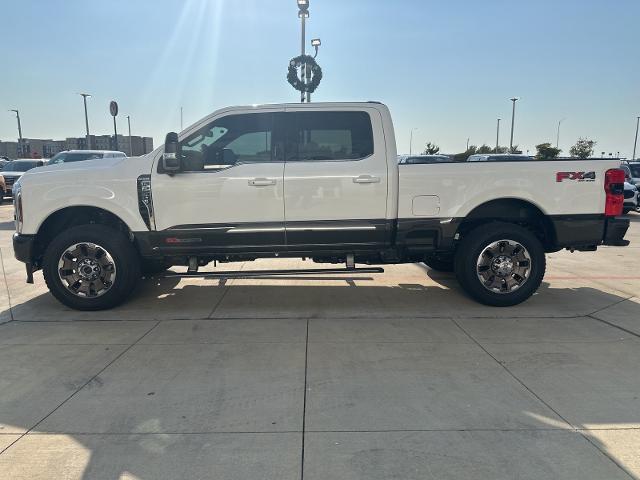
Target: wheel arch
x,y
73,216
513,210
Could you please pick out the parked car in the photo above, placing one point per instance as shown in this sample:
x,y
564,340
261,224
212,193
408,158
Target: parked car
x,y
499,157
630,198
15,169
423,159
3,189
632,172
82,155
219,192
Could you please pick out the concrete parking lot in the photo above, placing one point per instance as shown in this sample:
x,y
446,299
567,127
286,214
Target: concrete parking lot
x,y
393,376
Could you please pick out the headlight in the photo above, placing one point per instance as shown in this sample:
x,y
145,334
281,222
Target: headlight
x,y
17,206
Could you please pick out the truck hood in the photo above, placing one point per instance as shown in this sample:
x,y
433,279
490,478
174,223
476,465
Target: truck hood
x,y
85,167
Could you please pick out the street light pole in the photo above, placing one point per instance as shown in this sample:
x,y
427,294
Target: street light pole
x,y
498,136
303,13
558,136
86,118
411,141
17,112
635,143
130,144
513,119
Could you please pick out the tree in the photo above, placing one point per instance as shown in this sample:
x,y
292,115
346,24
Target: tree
x,y
500,150
431,149
462,157
484,149
583,148
547,152
515,149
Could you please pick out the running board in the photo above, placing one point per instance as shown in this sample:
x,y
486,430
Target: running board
x,y
272,273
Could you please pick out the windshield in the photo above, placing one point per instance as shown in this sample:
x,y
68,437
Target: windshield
x,y
20,166
65,157
635,170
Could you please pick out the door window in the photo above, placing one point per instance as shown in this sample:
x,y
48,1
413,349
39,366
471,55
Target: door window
x,y
228,141
317,136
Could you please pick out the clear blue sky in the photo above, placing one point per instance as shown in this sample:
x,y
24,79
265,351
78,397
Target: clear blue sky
x,y
446,68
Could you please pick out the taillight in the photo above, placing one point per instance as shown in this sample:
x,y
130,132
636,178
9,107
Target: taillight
x,y
614,188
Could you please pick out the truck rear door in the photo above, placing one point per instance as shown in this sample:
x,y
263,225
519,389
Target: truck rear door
x,y
335,181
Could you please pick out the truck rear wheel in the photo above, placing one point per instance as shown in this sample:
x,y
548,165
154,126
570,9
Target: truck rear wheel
x,y
91,267
500,264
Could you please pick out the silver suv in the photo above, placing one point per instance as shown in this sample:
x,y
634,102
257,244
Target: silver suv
x,y
81,155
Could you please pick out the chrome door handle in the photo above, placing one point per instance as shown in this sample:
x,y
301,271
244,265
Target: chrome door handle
x,y
261,182
366,179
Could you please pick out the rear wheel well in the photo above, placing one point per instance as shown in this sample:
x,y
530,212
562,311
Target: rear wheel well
x,y
71,217
516,211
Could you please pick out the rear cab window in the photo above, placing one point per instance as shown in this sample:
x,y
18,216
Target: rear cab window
x,y
329,136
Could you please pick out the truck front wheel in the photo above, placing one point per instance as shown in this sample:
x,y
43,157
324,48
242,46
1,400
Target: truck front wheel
x,y
500,264
91,267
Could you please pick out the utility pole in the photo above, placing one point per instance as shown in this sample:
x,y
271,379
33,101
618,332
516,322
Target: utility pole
x,y
130,144
86,118
635,143
20,142
411,141
303,13
513,120
558,136
181,128
498,136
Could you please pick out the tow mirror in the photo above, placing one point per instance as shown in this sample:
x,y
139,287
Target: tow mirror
x,y
170,157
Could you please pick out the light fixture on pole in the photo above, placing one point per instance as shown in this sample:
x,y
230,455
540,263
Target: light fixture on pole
x,y
20,142
513,119
411,141
86,118
558,136
498,136
635,143
315,43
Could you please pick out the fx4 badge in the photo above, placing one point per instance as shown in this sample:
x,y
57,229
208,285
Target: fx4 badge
x,y
577,176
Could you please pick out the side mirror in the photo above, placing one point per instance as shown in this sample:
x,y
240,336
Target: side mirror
x,y
170,157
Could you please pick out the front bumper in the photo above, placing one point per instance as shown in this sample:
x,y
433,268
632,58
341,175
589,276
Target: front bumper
x,y
23,247
23,251
615,230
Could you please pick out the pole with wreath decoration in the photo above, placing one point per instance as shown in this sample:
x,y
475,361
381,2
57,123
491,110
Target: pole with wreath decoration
x,y
310,73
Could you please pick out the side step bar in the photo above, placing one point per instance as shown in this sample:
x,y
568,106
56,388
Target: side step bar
x,y
272,273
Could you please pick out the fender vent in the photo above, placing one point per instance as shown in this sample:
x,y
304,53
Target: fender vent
x,y
145,200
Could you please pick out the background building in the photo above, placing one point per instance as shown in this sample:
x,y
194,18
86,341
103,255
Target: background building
x,y
47,148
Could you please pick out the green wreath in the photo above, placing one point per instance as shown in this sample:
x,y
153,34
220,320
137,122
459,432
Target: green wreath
x,y
296,82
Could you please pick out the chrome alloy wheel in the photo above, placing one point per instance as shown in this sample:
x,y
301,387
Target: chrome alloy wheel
x,y
87,270
503,266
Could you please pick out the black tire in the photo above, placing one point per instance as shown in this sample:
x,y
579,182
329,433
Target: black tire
x,y
474,244
125,258
439,264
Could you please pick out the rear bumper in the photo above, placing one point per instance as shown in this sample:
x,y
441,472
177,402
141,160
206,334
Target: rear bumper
x,y
615,230
23,247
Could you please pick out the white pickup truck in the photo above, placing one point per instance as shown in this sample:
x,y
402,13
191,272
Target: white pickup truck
x,y
319,181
